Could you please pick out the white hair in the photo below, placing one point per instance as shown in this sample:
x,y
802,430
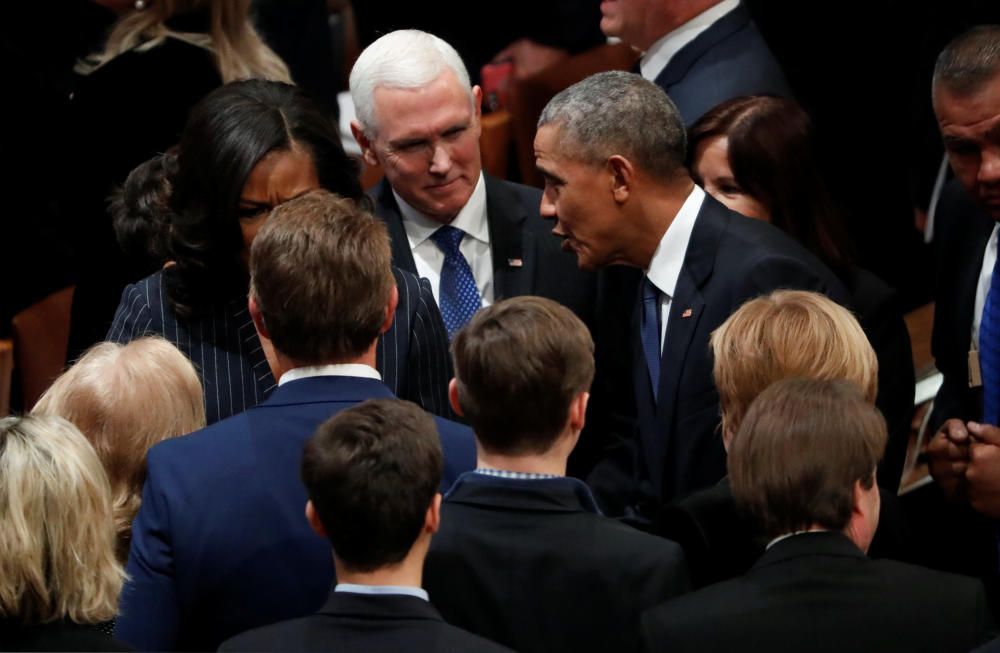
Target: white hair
x,y
405,59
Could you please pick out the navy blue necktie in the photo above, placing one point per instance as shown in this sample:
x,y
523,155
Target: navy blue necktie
x,y
989,350
649,331
458,295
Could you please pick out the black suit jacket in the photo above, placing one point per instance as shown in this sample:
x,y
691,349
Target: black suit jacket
x,y
818,592
532,565
366,624
729,260
412,356
727,60
517,234
56,636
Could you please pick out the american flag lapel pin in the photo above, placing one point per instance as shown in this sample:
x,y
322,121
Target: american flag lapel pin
x,y
686,313
515,262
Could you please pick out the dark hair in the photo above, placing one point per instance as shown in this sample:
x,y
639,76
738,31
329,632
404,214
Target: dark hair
x,y
371,472
801,448
227,134
140,212
519,364
772,154
969,61
321,274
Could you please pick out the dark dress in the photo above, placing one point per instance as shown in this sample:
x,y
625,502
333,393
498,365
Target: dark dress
x,y
58,636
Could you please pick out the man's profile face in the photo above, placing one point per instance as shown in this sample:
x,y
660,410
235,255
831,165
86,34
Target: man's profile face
x,y
427,142
633,21
579,198
970,128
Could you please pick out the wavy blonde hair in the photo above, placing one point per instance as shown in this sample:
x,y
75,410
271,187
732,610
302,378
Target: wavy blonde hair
x,y
125,399
788,333
239,51
57,542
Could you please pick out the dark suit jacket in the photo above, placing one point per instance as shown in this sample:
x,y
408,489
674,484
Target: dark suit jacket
x,y
412,355
57,636
517,232
532,564
365,624
818,592
727,60
729,260
962,231
221,544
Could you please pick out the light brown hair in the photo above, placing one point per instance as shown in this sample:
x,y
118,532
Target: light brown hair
x,y
518,365
57,540
125,399
784,334
801,448
321,274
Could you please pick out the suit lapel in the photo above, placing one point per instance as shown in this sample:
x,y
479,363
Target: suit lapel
x,y
512,246
720,30
387,209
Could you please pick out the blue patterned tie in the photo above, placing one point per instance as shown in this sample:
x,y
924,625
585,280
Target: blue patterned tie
x,y
458,295
649,331
989,350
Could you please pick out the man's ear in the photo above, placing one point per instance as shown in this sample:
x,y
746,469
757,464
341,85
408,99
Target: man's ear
x,y
258,318
432,522
477,108
367,150
621,177
453,397
390,309
313,518
578,411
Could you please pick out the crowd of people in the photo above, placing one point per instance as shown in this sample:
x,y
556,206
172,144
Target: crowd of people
x,y
655,405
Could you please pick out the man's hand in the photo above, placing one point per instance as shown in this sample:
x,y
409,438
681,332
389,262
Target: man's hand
x,y
983,472
948,454
529,57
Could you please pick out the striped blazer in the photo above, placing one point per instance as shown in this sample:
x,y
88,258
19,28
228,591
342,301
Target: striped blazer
x,y
412,355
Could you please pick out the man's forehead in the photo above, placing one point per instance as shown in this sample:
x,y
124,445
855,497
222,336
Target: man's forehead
x,y
968,109
444,98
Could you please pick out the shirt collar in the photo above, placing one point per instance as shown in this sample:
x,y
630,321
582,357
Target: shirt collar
x,y
471,219
792,534
351,588
665,266
503,473
343,369
656,58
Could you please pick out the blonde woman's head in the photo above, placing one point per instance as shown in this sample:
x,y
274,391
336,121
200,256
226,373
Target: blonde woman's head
x,y
125,399
57,541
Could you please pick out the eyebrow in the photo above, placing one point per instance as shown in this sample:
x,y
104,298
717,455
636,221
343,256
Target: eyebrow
x,y
550,176
419,140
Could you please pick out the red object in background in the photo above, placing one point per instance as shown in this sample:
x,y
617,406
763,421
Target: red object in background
x,y
496,80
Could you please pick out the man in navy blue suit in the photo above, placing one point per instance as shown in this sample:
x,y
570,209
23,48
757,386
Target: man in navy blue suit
x,y
221,544
611,150
701,52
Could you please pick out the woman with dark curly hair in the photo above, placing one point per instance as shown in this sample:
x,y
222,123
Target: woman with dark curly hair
x,y
247,147
757,155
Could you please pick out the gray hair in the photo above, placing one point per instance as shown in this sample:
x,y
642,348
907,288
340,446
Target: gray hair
x,y
619,113
406,59
969,61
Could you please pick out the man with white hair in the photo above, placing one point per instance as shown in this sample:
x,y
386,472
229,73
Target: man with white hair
x,y
476,238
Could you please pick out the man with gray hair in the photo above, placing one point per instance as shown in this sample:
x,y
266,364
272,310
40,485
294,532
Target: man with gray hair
x,y
611,150
476,238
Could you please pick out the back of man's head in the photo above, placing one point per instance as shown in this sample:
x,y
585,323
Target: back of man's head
x,y
321,276
803,447
405,59
372,472
519,364
619,113
967,63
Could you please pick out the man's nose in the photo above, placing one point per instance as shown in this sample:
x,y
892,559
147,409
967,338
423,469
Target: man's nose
x,y
547,209
440,160
989,167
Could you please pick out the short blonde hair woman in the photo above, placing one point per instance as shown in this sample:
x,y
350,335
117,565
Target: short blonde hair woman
x,y
125,399
787,333
58,569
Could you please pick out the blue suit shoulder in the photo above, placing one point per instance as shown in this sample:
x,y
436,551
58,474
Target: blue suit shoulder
x,y
459,447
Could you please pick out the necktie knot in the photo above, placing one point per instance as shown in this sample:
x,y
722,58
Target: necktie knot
x,y
448,238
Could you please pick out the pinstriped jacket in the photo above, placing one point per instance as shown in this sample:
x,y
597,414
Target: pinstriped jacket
x,y
412,355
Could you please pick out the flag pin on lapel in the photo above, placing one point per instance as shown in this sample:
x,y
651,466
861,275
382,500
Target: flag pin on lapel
x,y
686,313
515,262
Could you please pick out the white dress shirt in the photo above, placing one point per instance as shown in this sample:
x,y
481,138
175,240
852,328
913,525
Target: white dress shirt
x,y
475,246
665,266
404,590
656,58
983,287
343,369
